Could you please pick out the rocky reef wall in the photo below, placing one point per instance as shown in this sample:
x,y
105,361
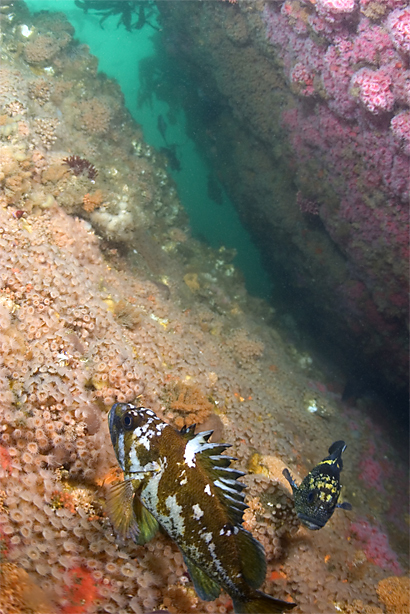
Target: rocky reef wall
x,y
104,297
313,147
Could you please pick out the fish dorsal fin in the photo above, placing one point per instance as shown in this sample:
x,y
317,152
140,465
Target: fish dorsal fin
x,y
224,478
209,456
207,589
253,559
198,447
221,461
188,432
147,524
201,440
119,508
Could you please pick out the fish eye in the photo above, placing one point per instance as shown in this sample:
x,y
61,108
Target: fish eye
x,y
129,421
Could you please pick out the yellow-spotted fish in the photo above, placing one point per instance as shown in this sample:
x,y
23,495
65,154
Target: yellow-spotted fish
x,y
183,483
317,497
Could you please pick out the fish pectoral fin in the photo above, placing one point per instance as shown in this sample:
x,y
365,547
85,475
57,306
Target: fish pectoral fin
x,y
147,524
253,559
128,515
120,510
288,477
207,589
345,505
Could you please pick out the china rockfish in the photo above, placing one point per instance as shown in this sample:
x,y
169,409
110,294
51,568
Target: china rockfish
x,y
317,497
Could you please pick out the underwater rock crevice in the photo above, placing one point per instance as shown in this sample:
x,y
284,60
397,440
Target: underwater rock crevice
x,y
354,272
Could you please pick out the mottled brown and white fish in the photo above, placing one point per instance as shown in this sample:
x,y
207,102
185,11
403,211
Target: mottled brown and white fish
x,y
183,483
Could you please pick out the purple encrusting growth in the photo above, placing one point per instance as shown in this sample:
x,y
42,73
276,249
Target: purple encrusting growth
x,y
348,64
81,165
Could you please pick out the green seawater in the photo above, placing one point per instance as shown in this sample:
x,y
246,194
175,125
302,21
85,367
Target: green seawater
x,y
119,53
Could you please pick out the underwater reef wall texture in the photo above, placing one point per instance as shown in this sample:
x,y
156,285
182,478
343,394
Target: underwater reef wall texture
x,y
318,156
105,297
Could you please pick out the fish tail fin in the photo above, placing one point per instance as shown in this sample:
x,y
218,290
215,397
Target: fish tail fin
x,y
260,603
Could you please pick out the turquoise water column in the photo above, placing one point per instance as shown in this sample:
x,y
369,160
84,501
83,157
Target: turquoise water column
x,y
119,53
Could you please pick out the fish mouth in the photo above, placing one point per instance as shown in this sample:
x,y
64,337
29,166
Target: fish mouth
x,y
113,419
111,416
311,523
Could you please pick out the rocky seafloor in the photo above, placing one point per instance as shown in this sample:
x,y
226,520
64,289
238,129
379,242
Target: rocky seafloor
x,y
104,297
